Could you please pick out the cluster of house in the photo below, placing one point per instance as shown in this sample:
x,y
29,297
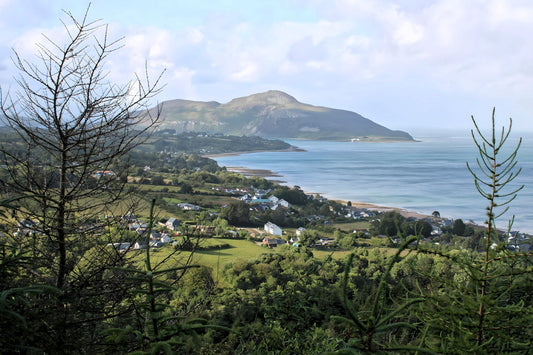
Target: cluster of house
x,y
26,227
260,203
256,198
519,242
235,191
156,240
358,213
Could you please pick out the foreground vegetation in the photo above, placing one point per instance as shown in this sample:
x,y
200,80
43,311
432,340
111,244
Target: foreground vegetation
x,y
109,246
226,293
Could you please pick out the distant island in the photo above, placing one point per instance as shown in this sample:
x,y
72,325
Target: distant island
x,y
273,114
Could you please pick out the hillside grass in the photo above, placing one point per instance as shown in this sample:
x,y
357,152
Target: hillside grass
x,y
349,227
217,259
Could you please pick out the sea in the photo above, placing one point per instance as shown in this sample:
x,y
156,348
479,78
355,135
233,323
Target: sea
x,y
423,176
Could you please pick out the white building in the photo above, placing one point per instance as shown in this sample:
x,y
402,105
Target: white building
x,y
172,223
283,203
273,199
189,207
165,238
120,246
273,229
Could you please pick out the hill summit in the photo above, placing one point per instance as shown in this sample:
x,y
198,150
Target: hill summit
x,y
272,97
273,114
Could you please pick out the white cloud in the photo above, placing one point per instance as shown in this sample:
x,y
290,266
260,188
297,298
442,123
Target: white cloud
x,y
408,33
500,11
246,72
478,49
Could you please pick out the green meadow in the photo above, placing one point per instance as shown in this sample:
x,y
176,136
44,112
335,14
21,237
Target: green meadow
x,y
217,259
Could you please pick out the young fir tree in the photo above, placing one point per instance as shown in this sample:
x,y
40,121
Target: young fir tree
x,y
487,306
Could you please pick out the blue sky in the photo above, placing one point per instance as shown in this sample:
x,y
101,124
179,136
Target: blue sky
x,y
406,64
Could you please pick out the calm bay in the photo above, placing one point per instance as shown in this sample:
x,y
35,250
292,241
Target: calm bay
x,y
426,176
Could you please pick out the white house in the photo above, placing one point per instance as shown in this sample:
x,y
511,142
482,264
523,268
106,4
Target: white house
x,y
189,207
283,203
172,223
120,246
165,238
273,229
273,199
246,198
139,245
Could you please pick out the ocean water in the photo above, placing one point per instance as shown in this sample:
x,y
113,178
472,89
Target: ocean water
x,y
426,176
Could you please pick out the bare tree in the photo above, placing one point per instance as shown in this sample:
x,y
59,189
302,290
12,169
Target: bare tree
x,y
66,168
77,129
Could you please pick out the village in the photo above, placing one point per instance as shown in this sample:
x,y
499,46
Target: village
x,y
171,231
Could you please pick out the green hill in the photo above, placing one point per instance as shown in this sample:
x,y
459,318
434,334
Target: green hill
x,y
273,114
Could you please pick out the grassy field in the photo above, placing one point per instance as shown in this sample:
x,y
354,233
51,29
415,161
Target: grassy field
x,y
348,227
239,248
217,259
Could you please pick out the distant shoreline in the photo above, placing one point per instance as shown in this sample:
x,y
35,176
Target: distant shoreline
x,y
292,148
271,175
333,194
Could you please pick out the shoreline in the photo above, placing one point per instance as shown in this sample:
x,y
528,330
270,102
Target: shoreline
x,y
471,212
264,173
292,148
272,175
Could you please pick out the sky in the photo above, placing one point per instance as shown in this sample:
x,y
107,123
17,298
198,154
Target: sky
x,y
412,65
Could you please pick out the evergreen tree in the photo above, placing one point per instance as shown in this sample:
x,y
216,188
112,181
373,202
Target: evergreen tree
x,y
486,306
458,227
